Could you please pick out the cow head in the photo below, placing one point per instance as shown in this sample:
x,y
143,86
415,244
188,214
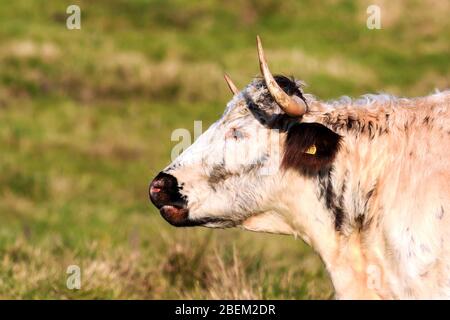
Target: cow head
x,y
237,173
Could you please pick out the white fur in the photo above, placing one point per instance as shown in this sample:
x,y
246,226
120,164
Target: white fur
x,y
403,252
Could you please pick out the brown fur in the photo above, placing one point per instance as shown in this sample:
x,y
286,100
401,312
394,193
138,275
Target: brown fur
x,y
303,135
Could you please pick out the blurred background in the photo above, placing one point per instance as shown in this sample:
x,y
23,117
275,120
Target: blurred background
x,y
86,118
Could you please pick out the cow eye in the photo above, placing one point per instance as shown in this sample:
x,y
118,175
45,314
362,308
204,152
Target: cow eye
x,y
235,134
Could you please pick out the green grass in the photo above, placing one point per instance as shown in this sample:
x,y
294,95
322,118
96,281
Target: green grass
x,y
86,118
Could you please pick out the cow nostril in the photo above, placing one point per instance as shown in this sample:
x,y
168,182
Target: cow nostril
x,y
164,190
164,193
155,190
159,182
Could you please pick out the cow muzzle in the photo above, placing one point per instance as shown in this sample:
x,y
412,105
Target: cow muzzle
x,y
164,193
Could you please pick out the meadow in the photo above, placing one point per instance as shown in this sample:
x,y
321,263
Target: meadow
x,y
86,118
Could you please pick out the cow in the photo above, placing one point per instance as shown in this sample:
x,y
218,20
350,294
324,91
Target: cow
x,y
364,182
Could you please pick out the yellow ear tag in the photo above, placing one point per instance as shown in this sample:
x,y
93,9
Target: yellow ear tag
x,y
311,150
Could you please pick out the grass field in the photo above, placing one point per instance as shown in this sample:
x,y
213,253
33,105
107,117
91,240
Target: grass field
x,y
86,117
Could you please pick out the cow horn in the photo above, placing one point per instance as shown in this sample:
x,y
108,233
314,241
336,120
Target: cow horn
x,y
230,84
292,106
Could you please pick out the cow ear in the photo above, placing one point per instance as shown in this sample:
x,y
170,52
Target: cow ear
x,y
310,147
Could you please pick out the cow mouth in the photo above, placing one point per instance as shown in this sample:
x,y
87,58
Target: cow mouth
x,y
178,216
174,215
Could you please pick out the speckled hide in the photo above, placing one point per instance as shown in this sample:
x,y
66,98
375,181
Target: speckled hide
x,y
372,197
